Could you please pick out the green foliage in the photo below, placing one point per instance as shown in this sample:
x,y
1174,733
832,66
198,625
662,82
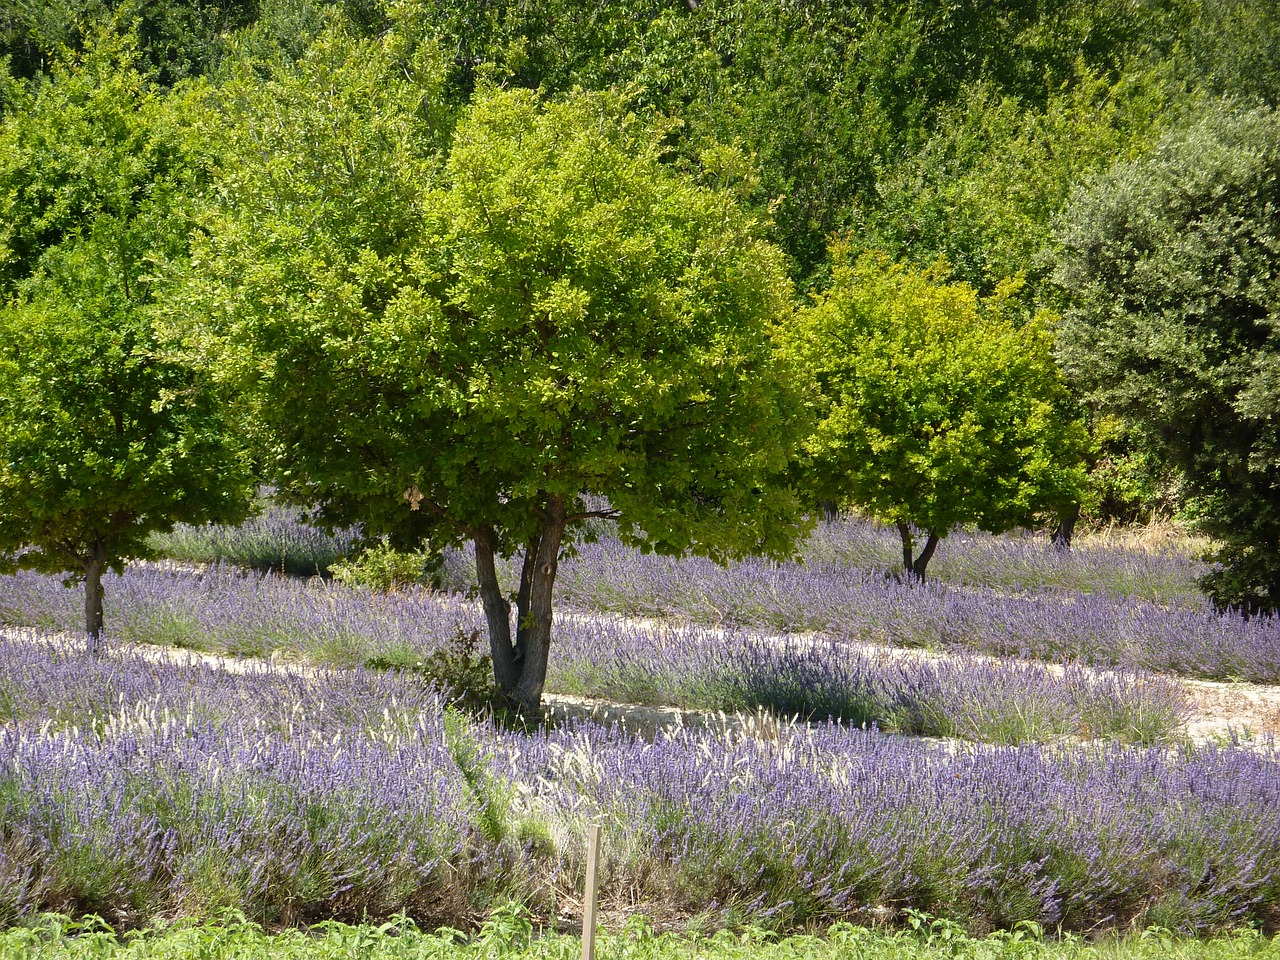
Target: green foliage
x,y
1229,48
982,191
935,408
497,322
106,432
509,934
1170,263
383,568
460,668
176,38
1128,483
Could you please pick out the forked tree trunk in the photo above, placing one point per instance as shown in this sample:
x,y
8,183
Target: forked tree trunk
x,y
520,668
916,564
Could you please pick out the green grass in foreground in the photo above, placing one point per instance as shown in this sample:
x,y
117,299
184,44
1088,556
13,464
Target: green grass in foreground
x,y
510,936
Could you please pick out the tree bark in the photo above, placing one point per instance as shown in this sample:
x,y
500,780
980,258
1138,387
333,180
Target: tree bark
x,y
925,555
497,613
94,564
913,564
1066,527
522,598
520,668
534,614
908,544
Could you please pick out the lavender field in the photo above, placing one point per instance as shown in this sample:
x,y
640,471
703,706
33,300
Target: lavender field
x,y
1103,604
310,770
133,788
228,611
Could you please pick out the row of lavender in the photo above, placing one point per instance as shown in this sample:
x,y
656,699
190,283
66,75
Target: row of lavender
x,y
865,606
142,789
1007,596
1166,571
229,611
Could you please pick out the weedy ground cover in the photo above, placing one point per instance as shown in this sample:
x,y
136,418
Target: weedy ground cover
x,y
144,789
510,936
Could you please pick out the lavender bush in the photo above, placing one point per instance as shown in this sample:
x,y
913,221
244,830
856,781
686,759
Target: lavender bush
x,y
276,539
827,822
356,795
866,606
224,610
254,615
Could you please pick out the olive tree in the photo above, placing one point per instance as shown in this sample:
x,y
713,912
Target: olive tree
x,y
1170,265
934,407
106,432
496,334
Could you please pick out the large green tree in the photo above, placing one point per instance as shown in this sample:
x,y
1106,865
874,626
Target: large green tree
x,y
106,432
935,407
1171,266
481,340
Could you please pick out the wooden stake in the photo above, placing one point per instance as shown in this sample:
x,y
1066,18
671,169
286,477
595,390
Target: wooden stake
x,y
589,893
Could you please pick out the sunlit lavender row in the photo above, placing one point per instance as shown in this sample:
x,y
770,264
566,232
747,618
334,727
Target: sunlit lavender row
x,y
865,606
162,789
1020,598
1166,571
276,539
841,602
225,610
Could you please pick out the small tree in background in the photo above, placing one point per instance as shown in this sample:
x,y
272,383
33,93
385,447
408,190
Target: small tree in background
x,y
106,434
935,408
474,339
1171,267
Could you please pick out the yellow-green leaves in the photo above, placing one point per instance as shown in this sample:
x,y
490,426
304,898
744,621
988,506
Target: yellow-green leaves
x,y
935,407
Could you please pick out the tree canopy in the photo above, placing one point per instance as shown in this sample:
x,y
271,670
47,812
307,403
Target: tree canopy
x,y
1172,268
499,331
935,407
106,432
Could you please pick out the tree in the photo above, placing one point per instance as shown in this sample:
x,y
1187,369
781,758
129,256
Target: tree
x,y
479,340
935,408
106,433
1171,269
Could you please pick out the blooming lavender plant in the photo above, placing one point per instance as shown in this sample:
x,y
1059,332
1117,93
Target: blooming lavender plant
x,y
358,795
1102,605
222,609
277,539
826,822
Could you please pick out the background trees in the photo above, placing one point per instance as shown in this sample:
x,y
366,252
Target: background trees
x,y
935,408
498,333
106,432
924,131
1172,265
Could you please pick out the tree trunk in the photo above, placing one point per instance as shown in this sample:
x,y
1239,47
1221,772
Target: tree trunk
x,y
95,644
522,599
521,668
1066,527
908,544
925,555
534,612
497,612
913,564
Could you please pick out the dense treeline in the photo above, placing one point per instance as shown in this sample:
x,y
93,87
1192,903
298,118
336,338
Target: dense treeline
x,y
456,270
